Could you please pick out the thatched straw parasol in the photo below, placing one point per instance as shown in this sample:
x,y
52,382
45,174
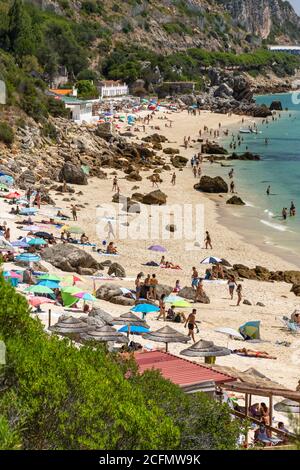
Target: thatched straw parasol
x,y
104,334
205,349
166,335
69,326
129,319
287,406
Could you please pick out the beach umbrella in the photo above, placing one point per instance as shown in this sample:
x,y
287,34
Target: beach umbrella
x,y
205,349
28,258
31,228
73,278
211,260
71,290
181,303
229,332
85,296
145,308
37,301
104,334
37,242
67,294
287,406
69,326
166,335
129,319
48,283
134,330
157,248
12,275
37,289
13,195
49,277
250,330
6,179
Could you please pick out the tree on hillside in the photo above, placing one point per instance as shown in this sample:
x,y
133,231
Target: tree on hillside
x,y
87,90
20,32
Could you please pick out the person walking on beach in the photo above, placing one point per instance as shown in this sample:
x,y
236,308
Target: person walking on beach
x,y
191,324
268,190
232,187
110,230
239,294
207,241
115,184
195,171
231,286
74,212
173,180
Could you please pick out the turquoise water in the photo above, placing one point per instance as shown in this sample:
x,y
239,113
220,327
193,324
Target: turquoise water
x,y
279,168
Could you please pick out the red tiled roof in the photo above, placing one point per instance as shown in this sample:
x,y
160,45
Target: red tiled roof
x,y
180,371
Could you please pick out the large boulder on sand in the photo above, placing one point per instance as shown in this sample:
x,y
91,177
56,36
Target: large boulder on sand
x,y
69,258
155,198
296,289
112,293
212,148
236,201
117,270
212,185
178,161
190,294
163,289
72,174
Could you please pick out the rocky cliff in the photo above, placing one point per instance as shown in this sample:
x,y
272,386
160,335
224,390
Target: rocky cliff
x,y
269,19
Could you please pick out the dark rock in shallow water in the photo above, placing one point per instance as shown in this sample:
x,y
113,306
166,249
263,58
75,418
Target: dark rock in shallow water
x,y
213,148
244,156
235,200
212,185
276,106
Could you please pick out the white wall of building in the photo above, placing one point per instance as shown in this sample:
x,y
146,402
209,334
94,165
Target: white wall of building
x,y
114,90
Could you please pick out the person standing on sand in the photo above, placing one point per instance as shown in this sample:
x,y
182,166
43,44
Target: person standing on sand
x,y
138,285
110,230
74,212
115,184
191,324
207,241
199,291
231,286
195,277
162,308
232,187
239,294
173,180
195,171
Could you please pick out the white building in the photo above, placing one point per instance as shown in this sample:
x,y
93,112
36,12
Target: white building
x,y
112,89
81,111
288,49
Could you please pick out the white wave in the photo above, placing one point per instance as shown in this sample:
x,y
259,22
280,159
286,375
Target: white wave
x,y
249,204
281,228
270,213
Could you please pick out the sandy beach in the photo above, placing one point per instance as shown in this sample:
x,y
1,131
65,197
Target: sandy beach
x,y
133,253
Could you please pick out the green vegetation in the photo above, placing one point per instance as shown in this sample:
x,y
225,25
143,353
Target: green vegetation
x,y
6,133
58,396
86,90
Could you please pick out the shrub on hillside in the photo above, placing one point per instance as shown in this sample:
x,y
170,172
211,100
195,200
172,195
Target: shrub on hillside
x,y
6,133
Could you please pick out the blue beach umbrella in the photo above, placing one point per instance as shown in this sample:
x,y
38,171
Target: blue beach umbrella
x,y
48,283
37,242
145,308
28,258
136,330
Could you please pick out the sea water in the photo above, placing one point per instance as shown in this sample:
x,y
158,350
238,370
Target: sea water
x,y
261,220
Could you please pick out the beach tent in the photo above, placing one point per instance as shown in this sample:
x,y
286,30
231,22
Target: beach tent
x,y
250,330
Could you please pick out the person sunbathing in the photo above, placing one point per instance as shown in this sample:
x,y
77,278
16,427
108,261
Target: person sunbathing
x,y
251,353
111,249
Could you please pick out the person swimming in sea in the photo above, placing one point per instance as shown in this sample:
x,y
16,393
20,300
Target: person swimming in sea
x,y
284,213
292,209
268,190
